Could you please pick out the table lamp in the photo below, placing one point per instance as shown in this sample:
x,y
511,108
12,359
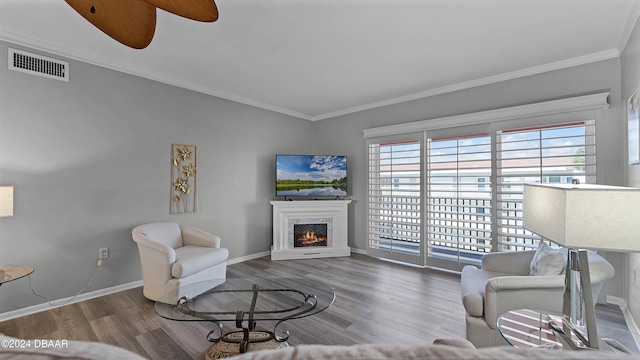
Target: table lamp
x,y
582,217
6,201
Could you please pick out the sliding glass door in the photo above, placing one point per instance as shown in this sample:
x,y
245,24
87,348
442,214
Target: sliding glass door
x,y
395,196
556,153
459,182
446,197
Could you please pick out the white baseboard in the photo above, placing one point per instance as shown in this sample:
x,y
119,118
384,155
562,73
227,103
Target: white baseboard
x,y
631,323
101,292
67,301
358,251
633,327
248,257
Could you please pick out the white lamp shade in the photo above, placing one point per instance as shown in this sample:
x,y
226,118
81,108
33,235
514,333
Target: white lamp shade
x,y
584,216
6,201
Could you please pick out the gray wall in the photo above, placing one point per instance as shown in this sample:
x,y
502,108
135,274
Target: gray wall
x,y
90,160
344,134
630,82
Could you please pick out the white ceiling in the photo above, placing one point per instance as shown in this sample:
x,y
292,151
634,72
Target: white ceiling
x,y
316,59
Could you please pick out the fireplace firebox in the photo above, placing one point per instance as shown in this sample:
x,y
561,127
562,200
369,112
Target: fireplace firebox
x,y
309,235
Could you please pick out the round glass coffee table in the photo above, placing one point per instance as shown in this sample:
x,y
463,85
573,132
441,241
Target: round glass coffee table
x,y
246,301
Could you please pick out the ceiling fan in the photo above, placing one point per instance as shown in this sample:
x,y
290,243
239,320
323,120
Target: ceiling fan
x,y
133,22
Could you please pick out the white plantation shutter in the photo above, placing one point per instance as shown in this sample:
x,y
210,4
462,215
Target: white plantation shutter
x,y
459,198
446,200
394,200
547,154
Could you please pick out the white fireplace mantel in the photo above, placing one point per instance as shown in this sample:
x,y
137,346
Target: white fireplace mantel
x,y
288,213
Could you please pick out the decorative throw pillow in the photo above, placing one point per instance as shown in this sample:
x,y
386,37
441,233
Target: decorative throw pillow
x,y
546,261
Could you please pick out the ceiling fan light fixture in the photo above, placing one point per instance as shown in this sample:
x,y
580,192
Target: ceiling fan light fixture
x,y
133,22
198,10
130,22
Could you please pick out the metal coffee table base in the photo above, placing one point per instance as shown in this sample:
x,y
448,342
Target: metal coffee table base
x,y
234,343
248,339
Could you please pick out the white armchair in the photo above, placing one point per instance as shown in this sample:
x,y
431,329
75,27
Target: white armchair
x,y
503,283
173,256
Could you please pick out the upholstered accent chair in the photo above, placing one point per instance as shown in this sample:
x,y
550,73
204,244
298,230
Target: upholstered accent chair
x,y
508,281
173,256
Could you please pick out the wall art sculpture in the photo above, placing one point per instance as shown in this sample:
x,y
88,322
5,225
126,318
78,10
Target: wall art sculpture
x,y
184,177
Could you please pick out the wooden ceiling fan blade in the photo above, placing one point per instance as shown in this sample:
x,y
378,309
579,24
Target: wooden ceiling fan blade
x,y
131,22
199,10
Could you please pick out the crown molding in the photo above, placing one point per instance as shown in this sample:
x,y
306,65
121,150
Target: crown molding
x,y
558,65
163,78
578,103
631,24
143,73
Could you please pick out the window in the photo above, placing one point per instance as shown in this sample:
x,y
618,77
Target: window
x,y
459,198
549,154
469,180
394,200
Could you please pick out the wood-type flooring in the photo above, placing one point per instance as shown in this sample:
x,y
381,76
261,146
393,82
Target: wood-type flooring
x,y
376,302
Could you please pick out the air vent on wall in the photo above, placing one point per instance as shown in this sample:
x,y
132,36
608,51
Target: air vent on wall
x,y
38,65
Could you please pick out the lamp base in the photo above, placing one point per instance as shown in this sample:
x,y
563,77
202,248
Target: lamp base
x,y
578,305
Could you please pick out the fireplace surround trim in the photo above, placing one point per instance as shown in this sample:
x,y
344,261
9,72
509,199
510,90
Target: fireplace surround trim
x,y
285,214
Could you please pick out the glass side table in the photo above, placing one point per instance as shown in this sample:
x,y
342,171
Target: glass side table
x,y
534,328
13,272
529,328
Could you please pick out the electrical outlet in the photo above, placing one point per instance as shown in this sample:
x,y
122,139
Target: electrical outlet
x,y
104,253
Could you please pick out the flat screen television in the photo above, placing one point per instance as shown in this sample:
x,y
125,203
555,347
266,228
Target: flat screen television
x,y
311,175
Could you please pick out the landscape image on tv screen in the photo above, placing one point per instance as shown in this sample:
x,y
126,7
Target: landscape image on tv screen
x,y
311,175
